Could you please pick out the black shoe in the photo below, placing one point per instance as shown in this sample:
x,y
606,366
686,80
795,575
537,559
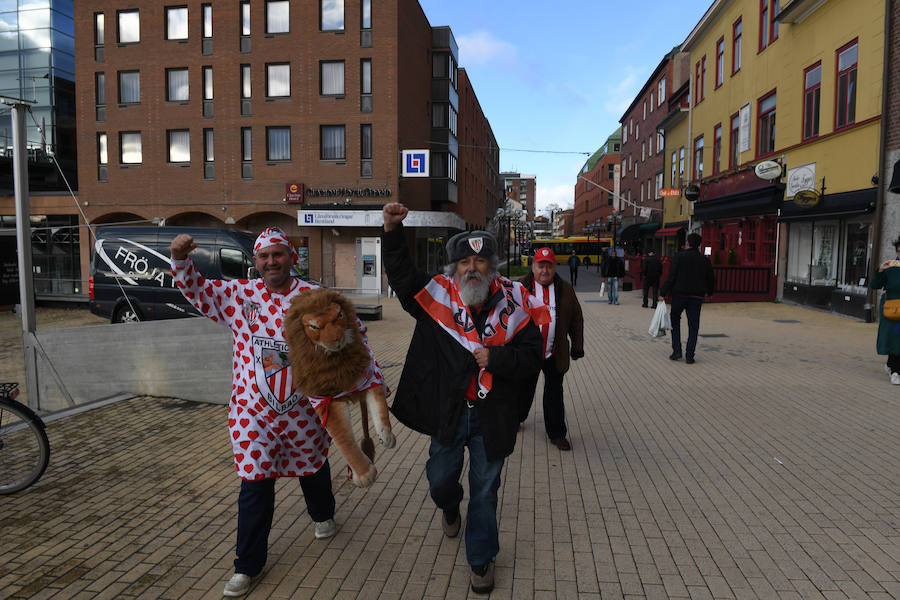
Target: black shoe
x,y
482,578
643,306
561,443
689,361
450,522
675,356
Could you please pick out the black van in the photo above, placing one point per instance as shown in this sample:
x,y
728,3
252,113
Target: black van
x,y
138,259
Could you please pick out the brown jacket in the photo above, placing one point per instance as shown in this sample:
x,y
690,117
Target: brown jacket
x,y
569,321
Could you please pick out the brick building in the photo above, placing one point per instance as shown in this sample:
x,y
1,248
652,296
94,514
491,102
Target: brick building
x,y
268,112
592,203
522,189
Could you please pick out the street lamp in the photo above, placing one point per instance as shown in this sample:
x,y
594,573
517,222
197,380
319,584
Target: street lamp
x,y
614,220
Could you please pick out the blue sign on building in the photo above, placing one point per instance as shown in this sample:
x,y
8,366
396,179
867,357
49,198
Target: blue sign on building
x,y
414,163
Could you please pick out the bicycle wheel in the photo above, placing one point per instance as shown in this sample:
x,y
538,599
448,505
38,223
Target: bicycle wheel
x,y
24,447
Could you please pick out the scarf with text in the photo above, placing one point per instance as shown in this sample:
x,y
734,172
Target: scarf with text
x,y
441,300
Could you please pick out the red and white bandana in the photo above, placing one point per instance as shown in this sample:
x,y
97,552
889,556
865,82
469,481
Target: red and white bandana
x,y
272,236
440,299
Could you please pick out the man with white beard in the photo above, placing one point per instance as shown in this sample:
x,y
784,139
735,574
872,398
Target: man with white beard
x,y
475,338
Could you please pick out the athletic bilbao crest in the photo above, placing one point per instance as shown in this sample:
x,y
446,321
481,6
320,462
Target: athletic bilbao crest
x,y
251,312
476,244
273,374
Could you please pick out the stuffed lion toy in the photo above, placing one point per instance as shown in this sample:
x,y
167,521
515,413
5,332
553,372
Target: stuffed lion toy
x,y
333,366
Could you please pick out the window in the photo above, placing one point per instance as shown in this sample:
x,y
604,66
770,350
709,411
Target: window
x,y
674,165
176,23
661,91
209,154
637,131
277,16
331,15
278,143
652,103
130,147
733,153
245,19
624,135
246,144
717,149
698,157
129,87
99,29
332,142
645,110
129,26
720,61
681,164
766,125
245,81
650,145
643,151
366,76
100,88
179,145
278,80
700,80
660,183
846,85
206,27
207,83
102,155
332,78
812,82
610,171
773,24
660,141
736,34
365,142
177,85
763,24
366,19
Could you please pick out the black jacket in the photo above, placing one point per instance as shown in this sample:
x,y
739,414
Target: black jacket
x,y
436,374
612,266
651,268
691,274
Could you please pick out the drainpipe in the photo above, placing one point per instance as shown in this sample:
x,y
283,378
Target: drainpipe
x,y
872,295
690,148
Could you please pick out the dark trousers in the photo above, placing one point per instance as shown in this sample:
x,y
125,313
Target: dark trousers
x,y
573,276
256,506
893,363
554,410
651,283
691,306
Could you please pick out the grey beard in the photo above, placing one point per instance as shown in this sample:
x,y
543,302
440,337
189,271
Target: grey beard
x,y
474,294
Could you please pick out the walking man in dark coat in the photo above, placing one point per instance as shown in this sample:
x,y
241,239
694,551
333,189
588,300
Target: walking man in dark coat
x,y
473,342
651,271
574,263
690,278
566,323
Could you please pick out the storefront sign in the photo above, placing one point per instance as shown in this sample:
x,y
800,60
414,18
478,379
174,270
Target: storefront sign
x,y
375,218
414,163
669,192
806,198
347,192
768,169
800,178
293,193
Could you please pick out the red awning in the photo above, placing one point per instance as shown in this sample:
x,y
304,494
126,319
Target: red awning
x,y
668,231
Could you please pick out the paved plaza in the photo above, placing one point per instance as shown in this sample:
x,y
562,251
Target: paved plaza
x,y
768,469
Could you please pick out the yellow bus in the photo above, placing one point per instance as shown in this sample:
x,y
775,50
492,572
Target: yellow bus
x,y
586,248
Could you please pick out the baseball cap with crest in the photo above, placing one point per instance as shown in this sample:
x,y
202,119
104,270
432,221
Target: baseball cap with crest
x,y
544,255
468,243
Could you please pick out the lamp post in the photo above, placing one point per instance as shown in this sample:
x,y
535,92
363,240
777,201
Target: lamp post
x,y
614,219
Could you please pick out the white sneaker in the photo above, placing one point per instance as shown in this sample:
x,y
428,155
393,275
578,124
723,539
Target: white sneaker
x,y
895,378
327,529
887,370
238,585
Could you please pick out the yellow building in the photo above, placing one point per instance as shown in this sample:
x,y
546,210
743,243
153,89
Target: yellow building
x,y
802,61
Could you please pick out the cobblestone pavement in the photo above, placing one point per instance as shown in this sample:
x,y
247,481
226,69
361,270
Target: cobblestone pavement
x,y
768,469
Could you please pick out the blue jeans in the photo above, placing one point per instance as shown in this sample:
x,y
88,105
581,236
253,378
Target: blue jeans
x,y
256,506
612,288
444,468
691,307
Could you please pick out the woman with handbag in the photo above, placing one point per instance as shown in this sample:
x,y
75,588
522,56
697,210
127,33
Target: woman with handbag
x,y
888,341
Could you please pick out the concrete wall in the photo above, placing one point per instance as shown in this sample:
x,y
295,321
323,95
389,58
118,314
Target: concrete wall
x,y
179,358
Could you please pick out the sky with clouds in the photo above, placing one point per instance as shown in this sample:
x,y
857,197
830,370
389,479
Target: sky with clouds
x,y
554,78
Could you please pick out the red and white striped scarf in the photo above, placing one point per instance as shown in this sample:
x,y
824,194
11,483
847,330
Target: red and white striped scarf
x,y
441,300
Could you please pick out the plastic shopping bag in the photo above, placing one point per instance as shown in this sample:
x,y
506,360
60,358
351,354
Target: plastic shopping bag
x,y
660,321
603,288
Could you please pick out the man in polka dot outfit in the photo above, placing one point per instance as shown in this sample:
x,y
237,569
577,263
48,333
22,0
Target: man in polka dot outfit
x,y
273,428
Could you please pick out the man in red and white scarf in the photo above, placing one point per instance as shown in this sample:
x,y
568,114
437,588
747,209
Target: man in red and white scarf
x,y
475,339
273,428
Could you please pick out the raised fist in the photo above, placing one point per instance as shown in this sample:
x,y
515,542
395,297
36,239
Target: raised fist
x,y
394,213
181,246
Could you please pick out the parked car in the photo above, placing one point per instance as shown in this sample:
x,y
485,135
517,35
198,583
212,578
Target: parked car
x,y
131,277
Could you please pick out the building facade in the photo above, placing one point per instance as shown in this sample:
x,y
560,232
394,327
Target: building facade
x,y
480,187
268,112
522,189
596,188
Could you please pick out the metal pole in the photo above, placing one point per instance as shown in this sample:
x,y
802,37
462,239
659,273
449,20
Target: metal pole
x,y
23,247
508,226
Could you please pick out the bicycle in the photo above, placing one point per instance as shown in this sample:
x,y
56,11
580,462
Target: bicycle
x,y
24,447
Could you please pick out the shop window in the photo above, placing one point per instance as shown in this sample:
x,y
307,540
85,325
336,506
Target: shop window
x,y
56,254
750,253
856,254
822,270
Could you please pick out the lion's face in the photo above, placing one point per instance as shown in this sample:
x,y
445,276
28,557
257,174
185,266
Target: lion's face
x,y
328,330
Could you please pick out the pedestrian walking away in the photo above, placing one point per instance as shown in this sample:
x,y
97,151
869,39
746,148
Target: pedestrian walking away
x,y
273,428
651,271
888,341
566,324
691,277
474,340
612,270
574,263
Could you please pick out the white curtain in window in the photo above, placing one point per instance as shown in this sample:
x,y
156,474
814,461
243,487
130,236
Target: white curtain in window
x,y
332,15
130,87
333,78
799,252
278,16
99,29
130,146
246,144
279,143
207,21
129,27
208,145
365,151
178,85
333,142
825,252
102,156
177,23
278,80
179,146
245,18
207,83
245,81
366,76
